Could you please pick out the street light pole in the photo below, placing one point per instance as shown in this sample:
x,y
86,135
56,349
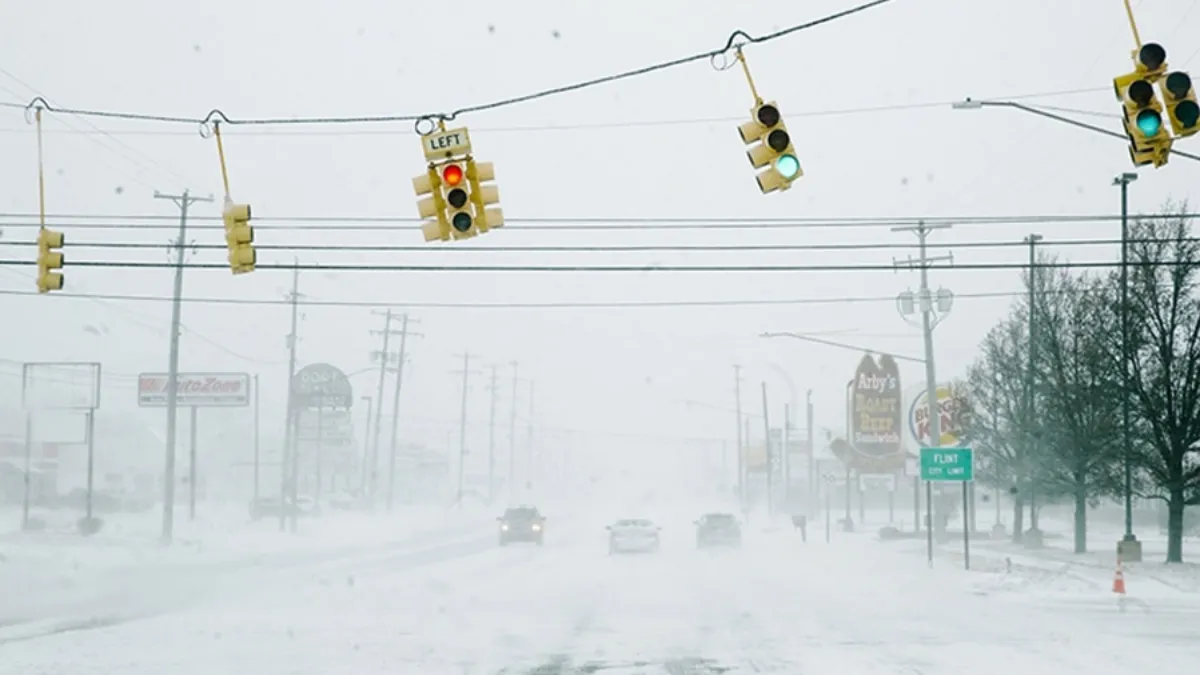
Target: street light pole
x,y
1129,547
972,104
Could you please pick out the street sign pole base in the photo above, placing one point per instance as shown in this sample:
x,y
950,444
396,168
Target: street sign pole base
x,y
1129,549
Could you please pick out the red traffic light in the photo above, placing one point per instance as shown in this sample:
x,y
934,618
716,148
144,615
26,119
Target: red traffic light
x,y
452,174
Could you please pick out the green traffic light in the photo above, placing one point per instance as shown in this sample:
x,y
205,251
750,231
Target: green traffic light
x,y
1149,122
787,166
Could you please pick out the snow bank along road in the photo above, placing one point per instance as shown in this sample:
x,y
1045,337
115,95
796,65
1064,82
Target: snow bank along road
x,y
854,606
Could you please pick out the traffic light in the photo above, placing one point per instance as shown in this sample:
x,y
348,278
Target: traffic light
x,y
479,173
772,148
1182,109
460,212
239,237
1149,143
432,208
49,260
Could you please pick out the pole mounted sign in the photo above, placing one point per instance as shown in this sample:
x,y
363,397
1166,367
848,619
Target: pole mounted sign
x,y
217,390
321,385
947,464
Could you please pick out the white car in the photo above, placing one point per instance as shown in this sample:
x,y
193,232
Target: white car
x,y
633,535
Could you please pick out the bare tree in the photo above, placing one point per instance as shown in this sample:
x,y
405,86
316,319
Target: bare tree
x,y
997,419
1164,311
1078,391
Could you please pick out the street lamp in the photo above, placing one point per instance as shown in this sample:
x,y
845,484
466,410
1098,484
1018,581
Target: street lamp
x,y
972,104
1129,548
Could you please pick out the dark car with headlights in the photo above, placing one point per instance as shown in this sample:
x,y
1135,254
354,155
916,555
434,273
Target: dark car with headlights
x,y
522,523
718,529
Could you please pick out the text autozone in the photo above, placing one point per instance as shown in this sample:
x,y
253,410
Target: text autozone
x,y
195,389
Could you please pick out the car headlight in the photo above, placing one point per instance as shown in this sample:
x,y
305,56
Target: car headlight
x,y
537,528
504,527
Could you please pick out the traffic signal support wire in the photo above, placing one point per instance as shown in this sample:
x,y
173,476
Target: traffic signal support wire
x,y
426,123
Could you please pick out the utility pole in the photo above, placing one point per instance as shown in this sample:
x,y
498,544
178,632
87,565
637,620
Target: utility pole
x,y
812,454
383,357
1129,548
291,458
494,390
767,436
1030,381
404,333
933,309
741,451
512,436
257,434
183,201
529,440
462,427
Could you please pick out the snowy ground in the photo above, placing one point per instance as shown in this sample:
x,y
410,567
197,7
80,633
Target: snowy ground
x,y
851,606
58,574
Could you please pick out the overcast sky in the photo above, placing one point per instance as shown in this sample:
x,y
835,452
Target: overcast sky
x,y
662,145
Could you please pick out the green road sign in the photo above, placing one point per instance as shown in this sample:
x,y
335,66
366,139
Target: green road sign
x,y
954,464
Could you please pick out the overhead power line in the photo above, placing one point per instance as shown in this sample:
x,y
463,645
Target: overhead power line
x,y
617,304
681,248
583,126
599,269
736,40
352,223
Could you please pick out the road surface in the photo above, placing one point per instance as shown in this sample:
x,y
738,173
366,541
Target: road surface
x,y
853,606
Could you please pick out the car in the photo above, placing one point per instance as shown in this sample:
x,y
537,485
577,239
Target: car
x,y
522,523
718,529
633,535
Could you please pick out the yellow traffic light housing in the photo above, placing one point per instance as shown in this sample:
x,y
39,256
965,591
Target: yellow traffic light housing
x,y
460,211
1149,142
771,147
1182,109
479,174
49,260
432,208
239,237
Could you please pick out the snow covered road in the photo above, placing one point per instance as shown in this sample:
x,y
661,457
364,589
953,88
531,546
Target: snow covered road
x,y
854,606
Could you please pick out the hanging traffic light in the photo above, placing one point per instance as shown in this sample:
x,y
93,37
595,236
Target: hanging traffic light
x,y
239,237
482,195
1182,109
771,148
49,260
459,209
1149,143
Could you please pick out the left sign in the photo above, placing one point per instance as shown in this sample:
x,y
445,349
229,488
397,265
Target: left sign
x,y
195,389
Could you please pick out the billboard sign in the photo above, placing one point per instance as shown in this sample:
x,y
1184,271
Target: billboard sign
x,y
321,385
952,404
203,390
877,416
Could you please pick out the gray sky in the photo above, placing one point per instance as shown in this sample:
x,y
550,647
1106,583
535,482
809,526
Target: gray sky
x,y
622,369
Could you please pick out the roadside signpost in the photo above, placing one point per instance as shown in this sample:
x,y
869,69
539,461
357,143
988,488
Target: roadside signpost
x,y
951,465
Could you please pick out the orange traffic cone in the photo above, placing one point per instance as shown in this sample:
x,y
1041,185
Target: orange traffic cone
x,y
1119,580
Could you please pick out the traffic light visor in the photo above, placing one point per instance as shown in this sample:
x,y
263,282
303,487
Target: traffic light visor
x,y
452,175
767,115
457,198
1149,122
787,166
1188,113
1152,56
1141,92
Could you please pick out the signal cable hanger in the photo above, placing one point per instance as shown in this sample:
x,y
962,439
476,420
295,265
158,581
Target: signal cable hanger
x,y
239,234
49,258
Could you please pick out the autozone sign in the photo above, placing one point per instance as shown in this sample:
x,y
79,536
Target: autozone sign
x,y
195,389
